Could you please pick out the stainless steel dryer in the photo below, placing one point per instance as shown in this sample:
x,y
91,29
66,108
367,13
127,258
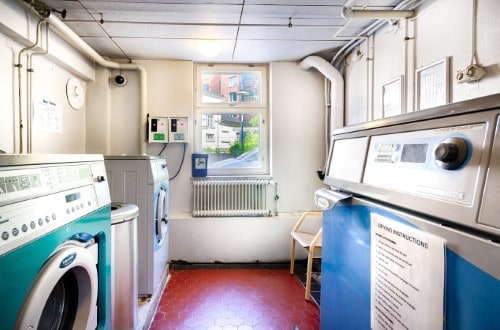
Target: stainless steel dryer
x,y
143,180
411,229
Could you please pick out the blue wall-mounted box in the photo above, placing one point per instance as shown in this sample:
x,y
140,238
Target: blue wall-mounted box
x,y
199,165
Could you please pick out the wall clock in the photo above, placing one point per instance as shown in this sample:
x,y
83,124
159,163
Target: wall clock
x,y
75,92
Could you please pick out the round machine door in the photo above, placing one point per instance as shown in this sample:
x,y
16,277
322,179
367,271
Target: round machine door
x,y
161,221
64,294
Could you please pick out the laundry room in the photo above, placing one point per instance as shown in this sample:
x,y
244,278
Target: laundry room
x,y
162,160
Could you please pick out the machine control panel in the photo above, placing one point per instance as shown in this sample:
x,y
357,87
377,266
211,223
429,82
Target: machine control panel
x,y
442,163
22,183
422,162
24,221
443,166
37,197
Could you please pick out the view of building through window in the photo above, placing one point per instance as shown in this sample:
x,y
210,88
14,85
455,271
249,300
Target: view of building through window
x,y
231,140
241,87
232,113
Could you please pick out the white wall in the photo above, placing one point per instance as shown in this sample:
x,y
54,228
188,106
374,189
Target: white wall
x,y
297,152
298,116
441,28
51,73
297,125
297,106
235,239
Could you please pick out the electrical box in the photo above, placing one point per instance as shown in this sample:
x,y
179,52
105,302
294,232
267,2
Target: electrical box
x,y
158,129
178,129
472,73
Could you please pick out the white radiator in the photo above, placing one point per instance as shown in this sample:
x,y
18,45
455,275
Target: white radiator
x,y
225,197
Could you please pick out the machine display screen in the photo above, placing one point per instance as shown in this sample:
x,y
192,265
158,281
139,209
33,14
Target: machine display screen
x,y
72,197
414,153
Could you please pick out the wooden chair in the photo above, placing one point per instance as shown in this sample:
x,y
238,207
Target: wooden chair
x,y
311,242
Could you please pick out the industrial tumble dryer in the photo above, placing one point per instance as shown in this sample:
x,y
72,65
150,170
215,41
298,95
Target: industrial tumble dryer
x,y
142,180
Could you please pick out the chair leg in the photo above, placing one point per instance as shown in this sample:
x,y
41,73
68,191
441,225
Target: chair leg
x,y
309,273
292,257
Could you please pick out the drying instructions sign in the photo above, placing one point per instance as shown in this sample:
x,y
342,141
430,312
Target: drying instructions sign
x,y
407,276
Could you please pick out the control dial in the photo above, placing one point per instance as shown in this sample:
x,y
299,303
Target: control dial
x,y
451,153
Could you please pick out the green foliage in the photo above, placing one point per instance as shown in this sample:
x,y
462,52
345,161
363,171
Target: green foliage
x,y
251,141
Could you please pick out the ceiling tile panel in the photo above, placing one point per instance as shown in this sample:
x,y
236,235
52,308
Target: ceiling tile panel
x,y
173,49
294,33
105,47
123,30
87,30
254,30
279,50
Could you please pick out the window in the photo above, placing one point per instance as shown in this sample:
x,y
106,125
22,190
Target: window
x,y
209,137
233,97
233,81
231,107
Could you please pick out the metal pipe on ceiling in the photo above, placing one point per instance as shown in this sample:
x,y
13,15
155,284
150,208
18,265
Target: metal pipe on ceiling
x,y
349,13
401,7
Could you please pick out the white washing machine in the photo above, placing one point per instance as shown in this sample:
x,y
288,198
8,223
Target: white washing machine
x,y
143,180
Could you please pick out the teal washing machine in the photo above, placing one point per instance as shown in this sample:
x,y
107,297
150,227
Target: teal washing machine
x,y
55,251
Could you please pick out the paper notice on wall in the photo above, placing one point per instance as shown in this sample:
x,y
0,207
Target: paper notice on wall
x,y
407,276
48,117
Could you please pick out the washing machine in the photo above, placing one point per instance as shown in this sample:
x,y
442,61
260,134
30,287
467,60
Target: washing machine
x,y
142,180
54,242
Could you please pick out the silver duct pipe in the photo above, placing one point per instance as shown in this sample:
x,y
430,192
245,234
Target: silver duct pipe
x,y
71,37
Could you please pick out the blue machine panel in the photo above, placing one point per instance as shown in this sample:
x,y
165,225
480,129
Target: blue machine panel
x,y
472,295
19,268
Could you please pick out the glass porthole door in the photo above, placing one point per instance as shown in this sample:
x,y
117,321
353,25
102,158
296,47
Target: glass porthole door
x,y
64,294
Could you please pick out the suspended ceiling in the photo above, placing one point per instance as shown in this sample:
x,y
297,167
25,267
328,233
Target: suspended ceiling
x,y
248,31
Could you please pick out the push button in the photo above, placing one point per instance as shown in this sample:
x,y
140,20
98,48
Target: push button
x,y
5,235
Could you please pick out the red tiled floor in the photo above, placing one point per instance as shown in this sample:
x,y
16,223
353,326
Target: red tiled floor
x,y
241,299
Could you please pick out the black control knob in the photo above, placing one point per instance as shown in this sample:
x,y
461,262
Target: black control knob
x,y
446,152
451,153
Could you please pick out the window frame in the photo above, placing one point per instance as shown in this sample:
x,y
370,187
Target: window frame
x,y
262,108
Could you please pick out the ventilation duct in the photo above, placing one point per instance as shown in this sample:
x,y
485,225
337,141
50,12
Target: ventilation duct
x,y
335,118
336,92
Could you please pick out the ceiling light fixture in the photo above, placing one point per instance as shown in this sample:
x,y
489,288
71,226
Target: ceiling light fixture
x,y
209,48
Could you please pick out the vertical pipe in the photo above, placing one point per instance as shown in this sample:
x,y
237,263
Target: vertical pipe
x,y
19,80
371,76
29,89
